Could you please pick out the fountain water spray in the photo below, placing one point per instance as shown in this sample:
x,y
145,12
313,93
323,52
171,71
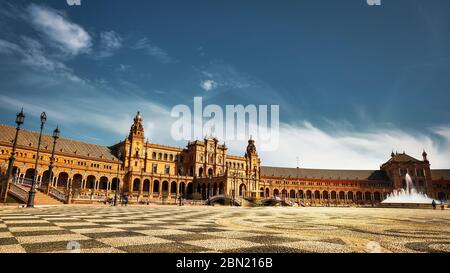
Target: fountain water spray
x,y
408,195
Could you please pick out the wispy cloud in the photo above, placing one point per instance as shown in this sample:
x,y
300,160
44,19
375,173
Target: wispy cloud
x,y
7,47
153,50
69,37
31,54
110,42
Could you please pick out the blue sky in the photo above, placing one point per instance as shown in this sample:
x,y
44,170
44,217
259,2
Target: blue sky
x,y
353,81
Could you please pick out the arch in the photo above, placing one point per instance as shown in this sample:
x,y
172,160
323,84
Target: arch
x,y
29,174
333,195
317,195
146,186
276,193
377,196
182,188
350,195
63,179
77,181
190,188
156,186
308,194
342,195
173,187
267,192
358,196
46,177
284,193
261,192
210,172
103,183
301,194
242,190
90,182
15,171
325,195
292,194
114,182
165,187
368,196
221,188
200,172
136,185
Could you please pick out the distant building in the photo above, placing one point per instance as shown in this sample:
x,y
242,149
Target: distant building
x,y
203,169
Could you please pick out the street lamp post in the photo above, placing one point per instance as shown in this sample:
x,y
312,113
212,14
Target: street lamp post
x,y
116,195
56,134
32,193
20,118
233,189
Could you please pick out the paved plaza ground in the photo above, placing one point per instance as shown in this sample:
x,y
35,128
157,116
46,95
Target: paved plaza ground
x,y
167,229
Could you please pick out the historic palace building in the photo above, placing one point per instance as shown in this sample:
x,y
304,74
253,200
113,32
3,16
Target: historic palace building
x,y
148,172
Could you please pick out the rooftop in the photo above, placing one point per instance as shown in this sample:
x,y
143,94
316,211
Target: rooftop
x,y
66,146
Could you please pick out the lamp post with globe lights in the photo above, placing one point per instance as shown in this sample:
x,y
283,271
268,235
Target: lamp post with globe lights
x,y
20,118
32,193
56,134
116,195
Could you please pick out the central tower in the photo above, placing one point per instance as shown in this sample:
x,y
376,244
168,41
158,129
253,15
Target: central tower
x,y
135,144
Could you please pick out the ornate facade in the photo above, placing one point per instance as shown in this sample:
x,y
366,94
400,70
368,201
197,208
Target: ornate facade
x,y
151,172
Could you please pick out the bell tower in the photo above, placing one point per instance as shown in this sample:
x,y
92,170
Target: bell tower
x,y
135,148
137,129
253,161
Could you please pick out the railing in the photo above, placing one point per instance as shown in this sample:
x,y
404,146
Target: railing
x,y
237,199
58,194
26,182
19,192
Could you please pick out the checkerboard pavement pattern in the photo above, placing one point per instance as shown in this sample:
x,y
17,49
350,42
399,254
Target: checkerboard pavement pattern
x,y
168,229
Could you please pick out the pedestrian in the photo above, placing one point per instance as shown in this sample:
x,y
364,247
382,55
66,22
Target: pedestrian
x,y
433,204
442,205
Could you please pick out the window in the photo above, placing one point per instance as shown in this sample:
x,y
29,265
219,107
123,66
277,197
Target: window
x,y
154,155
160,156
155,168
171,157
165,156
167,170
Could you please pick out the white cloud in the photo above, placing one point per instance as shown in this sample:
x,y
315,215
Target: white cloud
x,y
208,85
31,54
350,150
153,50
110,41
71,38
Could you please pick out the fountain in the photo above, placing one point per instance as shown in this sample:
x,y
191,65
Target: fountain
x,y
408,197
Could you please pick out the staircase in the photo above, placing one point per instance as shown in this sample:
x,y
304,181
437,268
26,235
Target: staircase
x,y
44,199
20,192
